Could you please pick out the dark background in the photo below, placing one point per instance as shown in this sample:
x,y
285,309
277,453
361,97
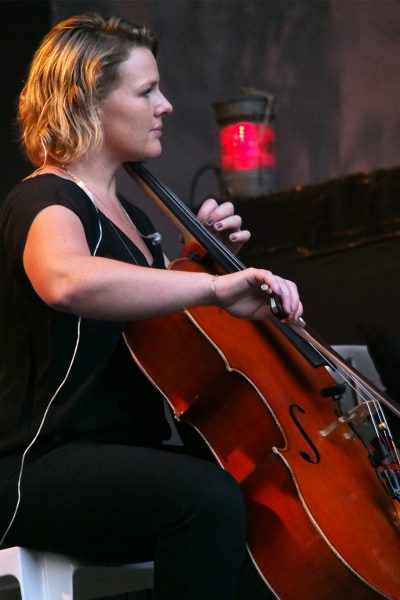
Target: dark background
x,y
332,65
333,68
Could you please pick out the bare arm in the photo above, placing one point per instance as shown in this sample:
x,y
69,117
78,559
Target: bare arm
x,y
63,273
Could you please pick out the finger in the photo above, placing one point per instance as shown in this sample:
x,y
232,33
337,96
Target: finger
x,y
240,237
218,212
233,223
290,300
294,301
278,306
222,211
206,210
266,277
286,291
298,313
286,297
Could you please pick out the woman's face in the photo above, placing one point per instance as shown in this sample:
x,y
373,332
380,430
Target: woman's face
x,y
132,112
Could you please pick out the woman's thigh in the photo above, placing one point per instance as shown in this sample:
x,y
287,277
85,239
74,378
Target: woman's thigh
x,y
115,503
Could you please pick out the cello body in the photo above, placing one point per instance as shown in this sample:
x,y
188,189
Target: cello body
x,y
320,523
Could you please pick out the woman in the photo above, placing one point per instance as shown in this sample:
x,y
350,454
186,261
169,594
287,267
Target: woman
x,y
82,467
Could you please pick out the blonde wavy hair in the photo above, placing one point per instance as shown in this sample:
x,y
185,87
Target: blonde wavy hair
x,y
73,70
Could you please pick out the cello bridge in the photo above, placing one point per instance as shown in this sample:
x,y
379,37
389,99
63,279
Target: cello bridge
x,y
356,416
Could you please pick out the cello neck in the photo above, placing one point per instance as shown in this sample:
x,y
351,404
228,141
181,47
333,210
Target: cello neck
x,y
184,217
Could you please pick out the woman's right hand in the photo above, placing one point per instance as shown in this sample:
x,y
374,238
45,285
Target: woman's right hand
x,y
64,274
242,296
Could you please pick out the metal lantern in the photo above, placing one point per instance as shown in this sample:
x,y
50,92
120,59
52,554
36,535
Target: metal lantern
x,y
247,145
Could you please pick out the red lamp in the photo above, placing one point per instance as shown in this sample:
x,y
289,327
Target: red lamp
x,y
247,145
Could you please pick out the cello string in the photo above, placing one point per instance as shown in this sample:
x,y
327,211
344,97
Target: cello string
x,y
337,361
378,419
357,384
364,392
382,429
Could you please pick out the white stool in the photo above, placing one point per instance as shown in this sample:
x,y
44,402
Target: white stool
x,y
48,576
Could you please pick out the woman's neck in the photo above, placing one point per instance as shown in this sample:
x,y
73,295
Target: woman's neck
x,y
97,174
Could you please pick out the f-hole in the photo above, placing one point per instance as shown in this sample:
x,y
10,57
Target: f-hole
x,y
311,459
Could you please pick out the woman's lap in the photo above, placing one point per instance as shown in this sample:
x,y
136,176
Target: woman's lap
x,y
116,504
111,502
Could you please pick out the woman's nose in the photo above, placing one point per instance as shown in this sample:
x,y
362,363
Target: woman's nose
x,y
164,106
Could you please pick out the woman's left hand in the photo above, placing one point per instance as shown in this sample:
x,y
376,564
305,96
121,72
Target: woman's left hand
x,y
221,220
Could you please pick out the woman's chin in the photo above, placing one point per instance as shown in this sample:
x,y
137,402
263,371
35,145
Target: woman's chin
x,y
148,155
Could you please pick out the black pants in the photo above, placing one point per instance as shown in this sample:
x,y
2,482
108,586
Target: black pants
x,y
120,504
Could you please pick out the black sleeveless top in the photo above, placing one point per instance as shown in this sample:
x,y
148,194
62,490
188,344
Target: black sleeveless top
x,y
98,395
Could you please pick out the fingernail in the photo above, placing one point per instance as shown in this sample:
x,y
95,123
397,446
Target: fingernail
x,y
233,237
209,221
218,225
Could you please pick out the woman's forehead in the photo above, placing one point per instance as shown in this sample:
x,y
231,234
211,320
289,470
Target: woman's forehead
x,y
139,66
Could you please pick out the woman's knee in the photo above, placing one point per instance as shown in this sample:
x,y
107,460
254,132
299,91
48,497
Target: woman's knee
x,y
218,503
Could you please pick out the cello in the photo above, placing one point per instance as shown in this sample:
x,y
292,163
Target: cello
x,y
321,481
